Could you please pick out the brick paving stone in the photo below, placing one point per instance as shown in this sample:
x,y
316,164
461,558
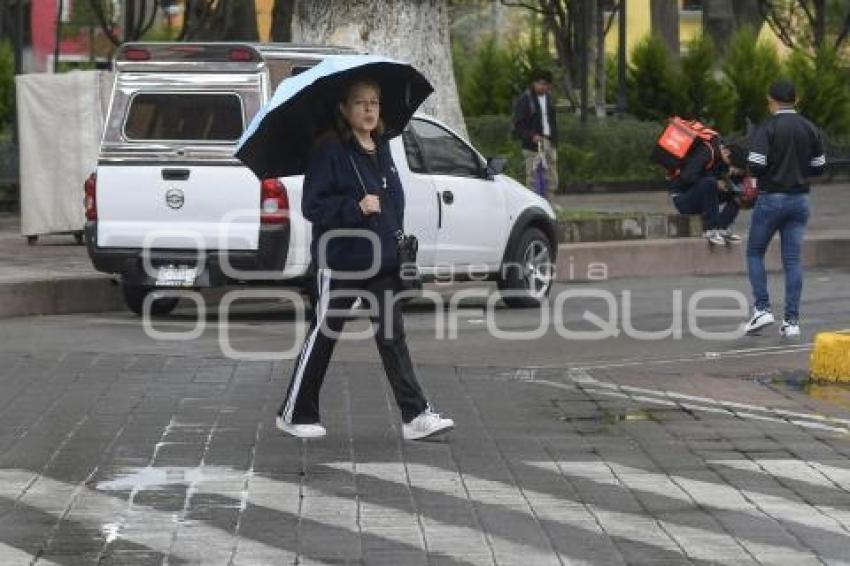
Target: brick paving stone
x,y
534,474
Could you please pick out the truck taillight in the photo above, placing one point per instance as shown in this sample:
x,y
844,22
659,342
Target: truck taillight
x,y
91,197
136,54
274,204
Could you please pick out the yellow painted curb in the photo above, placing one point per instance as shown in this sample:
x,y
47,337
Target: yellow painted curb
x,y
831,357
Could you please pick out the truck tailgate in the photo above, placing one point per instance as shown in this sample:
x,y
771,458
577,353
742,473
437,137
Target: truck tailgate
x,y
178,206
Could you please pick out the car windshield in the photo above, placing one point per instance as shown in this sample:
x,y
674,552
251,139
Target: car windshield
x,y
182,116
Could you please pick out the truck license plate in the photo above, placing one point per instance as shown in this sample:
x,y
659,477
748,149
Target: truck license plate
x,y
176,276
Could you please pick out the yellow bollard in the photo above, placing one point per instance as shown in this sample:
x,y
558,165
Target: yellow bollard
x,y
831,357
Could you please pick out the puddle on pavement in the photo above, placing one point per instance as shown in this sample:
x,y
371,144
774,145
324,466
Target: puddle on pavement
x,y
602,416
151,478
798,382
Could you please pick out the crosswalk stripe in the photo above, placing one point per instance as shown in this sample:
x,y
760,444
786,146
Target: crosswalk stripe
x,y
147,527
12,555
812,473
723,497
389,522
627,526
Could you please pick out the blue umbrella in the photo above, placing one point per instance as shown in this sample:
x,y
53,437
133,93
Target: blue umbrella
x,y
278,140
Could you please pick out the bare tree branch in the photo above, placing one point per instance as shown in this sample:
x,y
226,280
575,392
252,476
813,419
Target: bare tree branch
x,y
106,26
845,30
617,8
780,27
526,5
151,21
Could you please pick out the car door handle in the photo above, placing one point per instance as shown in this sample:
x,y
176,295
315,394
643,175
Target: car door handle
x,y
448,197
175,174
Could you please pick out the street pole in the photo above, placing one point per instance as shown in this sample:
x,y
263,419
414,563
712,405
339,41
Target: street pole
x,y
129,19
19,37
583,35
621,60
58,38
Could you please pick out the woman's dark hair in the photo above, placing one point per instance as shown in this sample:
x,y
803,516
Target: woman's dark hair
x,y
341,124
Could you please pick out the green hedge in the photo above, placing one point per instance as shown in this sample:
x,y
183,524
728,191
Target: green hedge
x,y
602,150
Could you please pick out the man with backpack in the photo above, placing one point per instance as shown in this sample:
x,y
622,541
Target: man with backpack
x,y
784,152
535,125
697,187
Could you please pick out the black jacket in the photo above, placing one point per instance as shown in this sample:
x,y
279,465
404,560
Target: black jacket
x,y
528,120
331,197
784,152
700,162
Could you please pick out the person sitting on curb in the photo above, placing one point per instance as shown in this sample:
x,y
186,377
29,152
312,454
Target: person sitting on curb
x,y
698,189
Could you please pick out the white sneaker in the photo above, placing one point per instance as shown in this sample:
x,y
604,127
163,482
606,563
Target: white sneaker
x,y
428,423
300,430
759,320
714,237
789,330
730,237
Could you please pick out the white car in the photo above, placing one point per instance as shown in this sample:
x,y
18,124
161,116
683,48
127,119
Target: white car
x,y
170,207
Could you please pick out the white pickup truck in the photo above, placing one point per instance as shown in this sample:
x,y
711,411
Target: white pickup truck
x,y
170,207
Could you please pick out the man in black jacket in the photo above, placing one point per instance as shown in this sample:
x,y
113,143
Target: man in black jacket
x,y
534,124
784,152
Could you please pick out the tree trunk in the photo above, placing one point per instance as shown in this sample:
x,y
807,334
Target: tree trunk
x,y
601,77
665,23
417,32
718,21
747,13
820,23
226,21
722,18
282,20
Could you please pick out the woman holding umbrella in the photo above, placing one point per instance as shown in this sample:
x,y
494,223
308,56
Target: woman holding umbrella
x,y
353,196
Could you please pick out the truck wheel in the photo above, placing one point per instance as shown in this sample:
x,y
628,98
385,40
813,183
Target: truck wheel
x,y
134,298
529,270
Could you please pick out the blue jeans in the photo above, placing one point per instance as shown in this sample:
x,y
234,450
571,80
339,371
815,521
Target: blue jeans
x,y
787,214
704,198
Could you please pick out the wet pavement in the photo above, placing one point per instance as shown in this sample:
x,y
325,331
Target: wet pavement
x,y
121,448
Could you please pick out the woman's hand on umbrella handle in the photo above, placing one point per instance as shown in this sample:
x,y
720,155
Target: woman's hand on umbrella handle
x,y
370,205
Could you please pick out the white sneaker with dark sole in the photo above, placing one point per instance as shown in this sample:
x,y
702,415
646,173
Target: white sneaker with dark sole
x,y
759,320
300,430
730,237
789,330
714,238
426,425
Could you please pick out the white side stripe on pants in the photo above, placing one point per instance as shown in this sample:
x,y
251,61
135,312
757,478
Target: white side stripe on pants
x,y
323,285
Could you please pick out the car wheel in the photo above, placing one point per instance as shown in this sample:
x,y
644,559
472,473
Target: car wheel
x,y
529,270
134,298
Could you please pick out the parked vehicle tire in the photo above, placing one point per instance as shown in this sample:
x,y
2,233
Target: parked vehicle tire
x,y
134,298
529,270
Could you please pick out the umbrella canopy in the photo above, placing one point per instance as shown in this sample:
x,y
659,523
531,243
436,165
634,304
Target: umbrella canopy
x,y
278,140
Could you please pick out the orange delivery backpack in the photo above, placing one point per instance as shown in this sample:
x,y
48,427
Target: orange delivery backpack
x,y
677,140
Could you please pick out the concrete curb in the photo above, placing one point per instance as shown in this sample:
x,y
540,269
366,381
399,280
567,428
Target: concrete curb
x,y
684,257
64,295
576,263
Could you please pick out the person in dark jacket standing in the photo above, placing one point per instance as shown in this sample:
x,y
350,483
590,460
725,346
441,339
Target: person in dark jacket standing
x,y
784,152
353,196
535,125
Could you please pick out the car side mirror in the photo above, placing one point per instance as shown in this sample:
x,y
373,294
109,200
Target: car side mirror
x,y
495,166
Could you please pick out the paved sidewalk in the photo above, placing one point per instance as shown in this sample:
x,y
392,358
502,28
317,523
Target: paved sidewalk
x,y
108,459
